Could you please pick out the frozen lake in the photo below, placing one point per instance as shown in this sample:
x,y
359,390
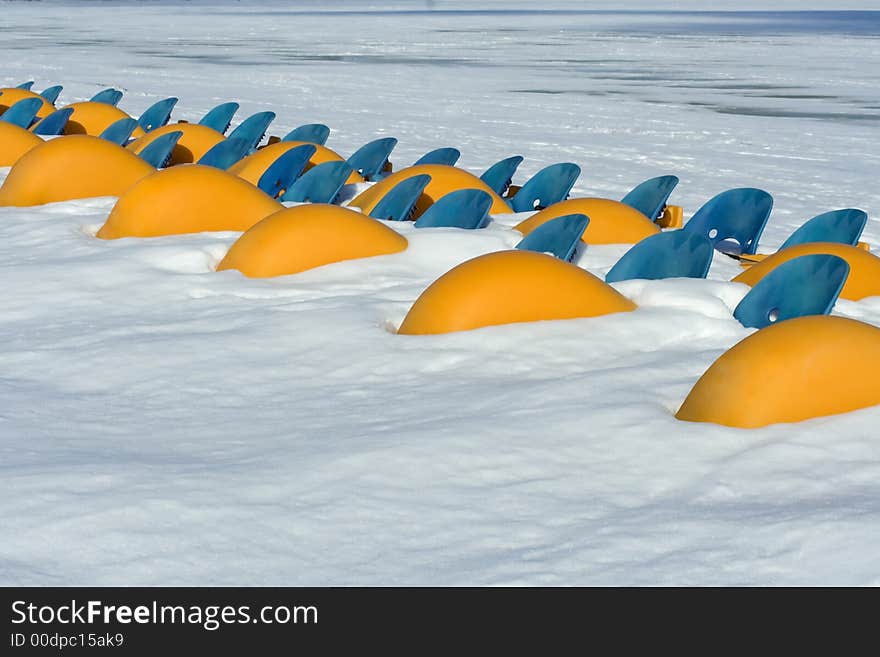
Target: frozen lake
x,y
161,423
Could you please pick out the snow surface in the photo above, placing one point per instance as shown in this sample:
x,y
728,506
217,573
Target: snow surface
x,y
162,423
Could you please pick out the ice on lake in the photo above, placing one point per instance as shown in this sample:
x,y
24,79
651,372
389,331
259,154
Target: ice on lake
x,y
161,423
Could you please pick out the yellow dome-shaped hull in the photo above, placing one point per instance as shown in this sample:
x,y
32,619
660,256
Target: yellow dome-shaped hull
x,y
187,199
195,141
90,118
254,165
795,370
507,287
9,97
69,168
308,236
444,179
15,142
611,222
864,268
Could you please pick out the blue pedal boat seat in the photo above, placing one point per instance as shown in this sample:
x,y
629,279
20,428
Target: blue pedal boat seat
x,y
673,254
399,201
157,114
550,185
320,184
650,197
499,176
158,151
224,154
253,128
313,133
448,156
738,214
55,123
370,159
51,94
841,226
25,85
108,97
22,113
806,285
119,131
559,236
220,117
462,208
279,176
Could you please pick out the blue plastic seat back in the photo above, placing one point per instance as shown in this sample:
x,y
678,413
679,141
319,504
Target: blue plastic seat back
x,y
158,151
841,226
119,131
55,123
23,113
25,85
253,128
463,208
157,114
559,236
108,97
313,133
807,285
674,254
284,170
550,185
320,184
447,156
399,201
739,214
224,154
220,117
371,158
650,197
51,94
499,176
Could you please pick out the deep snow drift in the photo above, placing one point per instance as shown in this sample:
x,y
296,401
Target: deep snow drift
x,y
162,423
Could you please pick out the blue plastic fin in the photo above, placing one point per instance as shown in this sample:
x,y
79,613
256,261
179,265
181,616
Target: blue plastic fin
x,y
738,214
158,151
220,117
253,128
550,185
841,226
447,156
108,97
320,184
399,201
157,114
313,133
54,124
224,154
371,158
119,131
25,85
673,254
807,285
500,175
23,113
463,208
650,197
284,170
51,94
559,236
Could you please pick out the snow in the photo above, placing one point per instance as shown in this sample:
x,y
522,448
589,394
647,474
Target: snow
x,y
163,423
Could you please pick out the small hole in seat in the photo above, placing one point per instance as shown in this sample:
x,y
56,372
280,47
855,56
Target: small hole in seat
x,y
773,315
713,233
